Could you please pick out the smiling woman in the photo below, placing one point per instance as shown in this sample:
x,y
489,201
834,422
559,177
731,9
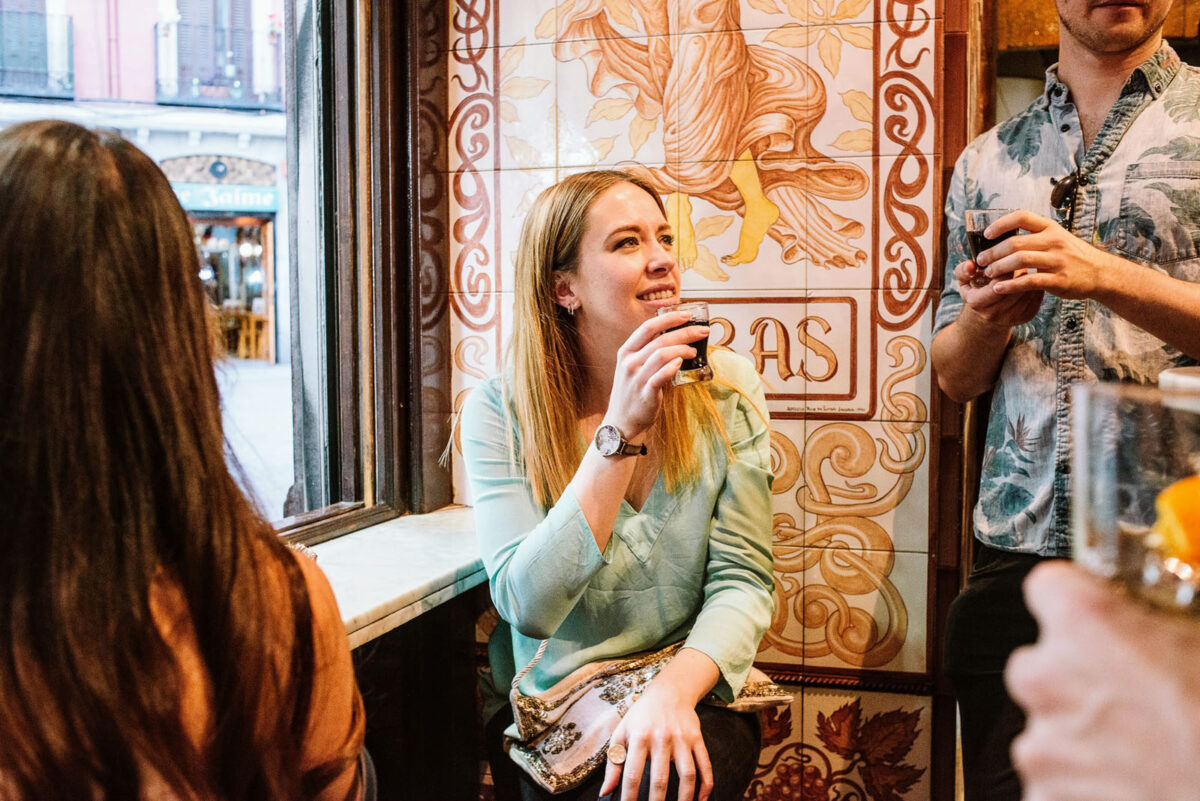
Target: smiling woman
x,y
659,533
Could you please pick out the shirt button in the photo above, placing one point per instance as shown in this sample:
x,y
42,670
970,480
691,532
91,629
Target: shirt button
x,y
1071,324
1064,128
1058,91
1065,468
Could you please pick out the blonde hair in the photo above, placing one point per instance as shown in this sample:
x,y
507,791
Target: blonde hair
x,y
548,380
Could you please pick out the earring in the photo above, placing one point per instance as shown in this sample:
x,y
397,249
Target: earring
x,y
571,310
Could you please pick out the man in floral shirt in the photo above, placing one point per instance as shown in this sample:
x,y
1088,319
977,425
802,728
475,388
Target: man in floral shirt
x,y
1103,283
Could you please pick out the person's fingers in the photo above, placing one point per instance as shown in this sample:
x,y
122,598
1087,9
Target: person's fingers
x,y
663,376
612,777
650,329
1024,243
617,754
658,358
964,271
660,774
635,765
1021,218
1033,682
685,769
1059,593
704,771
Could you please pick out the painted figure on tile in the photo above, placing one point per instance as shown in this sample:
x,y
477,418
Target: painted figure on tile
x,y
738,121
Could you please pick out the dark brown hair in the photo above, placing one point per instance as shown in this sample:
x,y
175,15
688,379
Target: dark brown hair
x,y
113,476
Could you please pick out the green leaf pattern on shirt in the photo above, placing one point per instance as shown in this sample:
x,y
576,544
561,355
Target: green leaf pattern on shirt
x,y
1142,203
1022,137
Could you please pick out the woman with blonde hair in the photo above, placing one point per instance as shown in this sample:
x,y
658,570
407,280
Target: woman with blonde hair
x,y
618,513
157,640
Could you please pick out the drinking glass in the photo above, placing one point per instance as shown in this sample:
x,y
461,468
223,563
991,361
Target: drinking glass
x,y
977,221
696,368
1135,493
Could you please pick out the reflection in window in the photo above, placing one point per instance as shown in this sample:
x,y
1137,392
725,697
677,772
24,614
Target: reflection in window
x,y
203,90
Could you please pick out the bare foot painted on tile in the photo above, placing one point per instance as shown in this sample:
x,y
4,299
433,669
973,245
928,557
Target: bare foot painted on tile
x,y
679,215
760,214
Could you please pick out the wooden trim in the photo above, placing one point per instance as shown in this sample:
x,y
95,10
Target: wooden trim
x,y
320,525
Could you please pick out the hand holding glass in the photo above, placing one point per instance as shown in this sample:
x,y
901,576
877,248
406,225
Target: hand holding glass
x,y
1135,493
696,368
976,222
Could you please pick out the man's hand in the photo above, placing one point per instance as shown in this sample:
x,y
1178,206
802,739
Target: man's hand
x,y
984,300
1046,259
1111,692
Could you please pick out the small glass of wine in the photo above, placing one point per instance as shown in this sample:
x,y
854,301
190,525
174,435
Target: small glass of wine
x,y
696,368
976,222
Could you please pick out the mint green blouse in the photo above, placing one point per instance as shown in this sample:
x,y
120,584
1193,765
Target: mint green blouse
x,y
693,565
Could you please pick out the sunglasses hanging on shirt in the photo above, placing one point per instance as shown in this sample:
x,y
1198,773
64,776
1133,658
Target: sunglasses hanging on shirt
x,y
1062,198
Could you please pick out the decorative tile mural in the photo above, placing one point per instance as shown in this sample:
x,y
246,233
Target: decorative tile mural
x,y
833,745
797,146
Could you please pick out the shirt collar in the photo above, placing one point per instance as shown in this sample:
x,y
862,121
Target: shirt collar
x,y
1154,75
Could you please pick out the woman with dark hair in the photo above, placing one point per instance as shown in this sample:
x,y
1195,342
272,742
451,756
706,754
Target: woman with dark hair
x,y
618,513
157,640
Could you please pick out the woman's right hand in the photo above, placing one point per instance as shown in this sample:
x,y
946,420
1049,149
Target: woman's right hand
x,y
645,364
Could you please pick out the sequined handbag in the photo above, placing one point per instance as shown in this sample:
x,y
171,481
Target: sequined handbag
x,y
560,736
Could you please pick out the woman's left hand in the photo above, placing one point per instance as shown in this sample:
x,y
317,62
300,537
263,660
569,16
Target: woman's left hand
x,y
660,728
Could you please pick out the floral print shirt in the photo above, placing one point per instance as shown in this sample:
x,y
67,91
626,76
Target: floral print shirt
x,y
1139,198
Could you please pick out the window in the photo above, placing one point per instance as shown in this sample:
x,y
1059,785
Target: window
x,y
277,124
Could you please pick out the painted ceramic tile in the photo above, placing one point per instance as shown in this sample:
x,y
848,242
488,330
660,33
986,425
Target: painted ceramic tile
x,y
783,643
869,746
781,729
787,465
727,253
767,329
497,23
863,608
899,232
842,58
477,350
903,369
907,233
838,335
488,209
615,19
873,472
909,59
525,19
474,118
521,126
616,103
850,219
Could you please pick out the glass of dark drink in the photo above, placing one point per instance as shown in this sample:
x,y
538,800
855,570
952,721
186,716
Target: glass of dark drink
x,y
696,368
977,221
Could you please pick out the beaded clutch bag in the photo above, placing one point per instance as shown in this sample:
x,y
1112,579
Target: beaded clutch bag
x,y
561,736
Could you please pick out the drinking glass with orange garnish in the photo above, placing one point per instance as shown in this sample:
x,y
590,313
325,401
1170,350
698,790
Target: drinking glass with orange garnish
x,y
1135,493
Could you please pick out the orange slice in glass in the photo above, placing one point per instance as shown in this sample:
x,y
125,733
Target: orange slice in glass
x,y
1178,522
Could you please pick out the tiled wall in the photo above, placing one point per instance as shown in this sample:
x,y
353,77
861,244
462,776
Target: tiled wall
x,y
806,136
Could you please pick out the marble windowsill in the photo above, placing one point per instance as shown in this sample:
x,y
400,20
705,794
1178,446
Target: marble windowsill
x,y
386,575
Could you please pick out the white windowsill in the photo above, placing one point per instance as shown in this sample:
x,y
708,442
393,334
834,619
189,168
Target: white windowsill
x,y
386,575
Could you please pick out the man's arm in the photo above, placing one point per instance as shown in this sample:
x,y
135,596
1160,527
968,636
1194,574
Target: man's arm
x,y
1064,265
968,353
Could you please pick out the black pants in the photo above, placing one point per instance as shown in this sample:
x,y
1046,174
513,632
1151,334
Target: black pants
x,y
986,623
733,741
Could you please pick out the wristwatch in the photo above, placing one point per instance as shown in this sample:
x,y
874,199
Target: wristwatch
x,y
611,442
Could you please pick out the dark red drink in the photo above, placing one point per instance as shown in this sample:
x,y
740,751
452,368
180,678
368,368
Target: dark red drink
x,y
700,360
979,243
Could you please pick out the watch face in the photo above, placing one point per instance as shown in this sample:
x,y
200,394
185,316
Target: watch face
x,y
608,440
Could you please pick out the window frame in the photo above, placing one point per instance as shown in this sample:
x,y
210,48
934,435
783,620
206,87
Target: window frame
x,y
364,115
